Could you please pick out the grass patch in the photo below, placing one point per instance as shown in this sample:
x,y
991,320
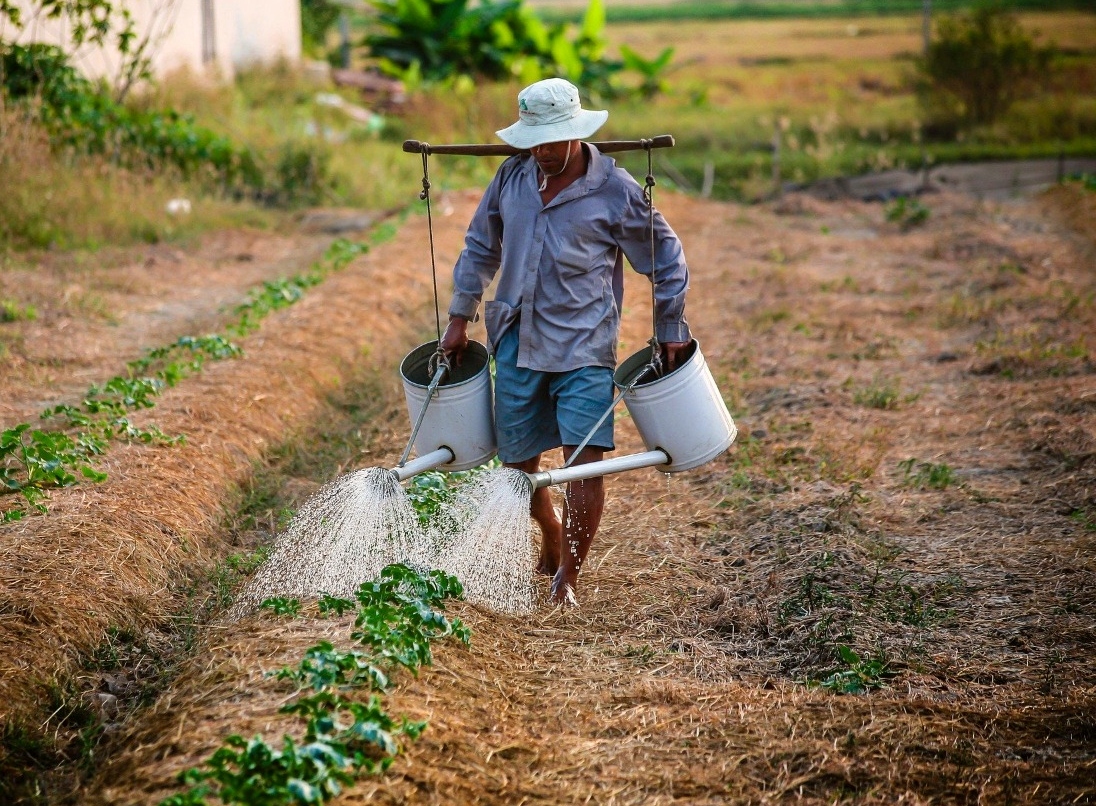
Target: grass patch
x,y
58,200
856,675
927,475
881,393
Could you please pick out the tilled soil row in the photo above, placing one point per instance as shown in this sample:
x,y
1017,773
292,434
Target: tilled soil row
x,y
711,599
845,346
114,556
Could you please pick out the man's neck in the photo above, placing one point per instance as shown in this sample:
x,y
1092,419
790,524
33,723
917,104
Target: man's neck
x,y
576,167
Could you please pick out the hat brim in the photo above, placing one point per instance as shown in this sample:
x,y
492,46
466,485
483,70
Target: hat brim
x,y
523,136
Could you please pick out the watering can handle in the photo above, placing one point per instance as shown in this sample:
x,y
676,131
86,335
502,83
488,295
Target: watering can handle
x,y
441,368
501,150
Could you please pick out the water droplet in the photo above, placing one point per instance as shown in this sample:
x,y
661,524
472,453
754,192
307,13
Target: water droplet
x,y
362,521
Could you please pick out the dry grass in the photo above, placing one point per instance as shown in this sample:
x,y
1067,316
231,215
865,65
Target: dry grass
x,y
58,200
709,599
119,556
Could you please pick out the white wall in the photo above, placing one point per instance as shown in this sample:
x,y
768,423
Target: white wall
x,y
244,32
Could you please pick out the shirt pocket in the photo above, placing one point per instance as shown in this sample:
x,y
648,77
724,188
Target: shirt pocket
x,y
580,248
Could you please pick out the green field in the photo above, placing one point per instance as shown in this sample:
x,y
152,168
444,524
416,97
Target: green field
x,y
837,93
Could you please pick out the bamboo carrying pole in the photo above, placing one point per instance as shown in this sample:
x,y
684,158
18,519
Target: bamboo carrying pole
x,y
503,150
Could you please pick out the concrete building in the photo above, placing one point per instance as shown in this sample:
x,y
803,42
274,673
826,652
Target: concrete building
x,y
215,37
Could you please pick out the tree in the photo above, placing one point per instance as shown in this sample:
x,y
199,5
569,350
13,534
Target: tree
x,y
97,23
978,64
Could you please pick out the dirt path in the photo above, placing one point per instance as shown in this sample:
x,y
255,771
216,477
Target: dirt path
x,y
845,348
94,313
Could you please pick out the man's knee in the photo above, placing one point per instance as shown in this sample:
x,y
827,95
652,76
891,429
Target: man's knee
x,y
589,454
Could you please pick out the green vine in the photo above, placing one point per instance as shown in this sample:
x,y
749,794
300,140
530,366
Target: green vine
x,y
35,461
398,617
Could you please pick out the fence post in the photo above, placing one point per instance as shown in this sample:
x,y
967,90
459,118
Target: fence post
x,y
777,189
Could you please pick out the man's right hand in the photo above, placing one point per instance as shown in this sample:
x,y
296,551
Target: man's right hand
x,y
455,340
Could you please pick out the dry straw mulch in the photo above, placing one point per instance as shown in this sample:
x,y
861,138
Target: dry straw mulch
x,y
117,555
845,347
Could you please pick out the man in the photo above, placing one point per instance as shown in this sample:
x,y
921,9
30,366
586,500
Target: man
x,y
558,221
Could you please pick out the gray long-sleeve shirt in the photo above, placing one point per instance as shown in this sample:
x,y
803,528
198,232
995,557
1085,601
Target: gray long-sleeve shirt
x,y
562,264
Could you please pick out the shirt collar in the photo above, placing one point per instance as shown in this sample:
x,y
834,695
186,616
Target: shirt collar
x,y
598,170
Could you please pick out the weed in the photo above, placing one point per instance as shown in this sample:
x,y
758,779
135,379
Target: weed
x,y
1085,180
12,311
848,283
1087,520
879,394
643,654
282,606
927,475
906,212
898,601
858,675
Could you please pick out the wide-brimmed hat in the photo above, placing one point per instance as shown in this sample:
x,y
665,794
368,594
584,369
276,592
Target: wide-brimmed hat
x,y
549,112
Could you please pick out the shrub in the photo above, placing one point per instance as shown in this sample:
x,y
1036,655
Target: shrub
x,y
317,19
977,65
81,116
436,40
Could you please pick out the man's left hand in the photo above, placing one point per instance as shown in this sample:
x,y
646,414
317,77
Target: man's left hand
x,y
674,354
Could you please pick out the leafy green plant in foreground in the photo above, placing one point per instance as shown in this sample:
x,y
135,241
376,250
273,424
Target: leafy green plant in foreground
x,y
398,616
858,676
47,460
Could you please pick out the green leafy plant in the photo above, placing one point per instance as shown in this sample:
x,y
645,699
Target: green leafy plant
x,y
318,17
651,71
858,675
437,40
441,39
329,604
81,116
399,614
879,394
907,212
92,22
429,492
32,462
12,311
282,606
1085,180
926,474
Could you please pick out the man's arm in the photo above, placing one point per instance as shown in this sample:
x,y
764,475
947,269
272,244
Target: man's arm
x,y
479,260
670,274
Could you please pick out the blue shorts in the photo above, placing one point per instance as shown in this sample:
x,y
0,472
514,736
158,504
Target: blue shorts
x,y
538,411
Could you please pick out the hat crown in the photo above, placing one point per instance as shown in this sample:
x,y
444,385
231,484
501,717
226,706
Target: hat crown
x,y
549,101
549,112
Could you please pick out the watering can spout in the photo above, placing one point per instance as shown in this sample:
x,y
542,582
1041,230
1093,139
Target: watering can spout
x,y
618,464
421,464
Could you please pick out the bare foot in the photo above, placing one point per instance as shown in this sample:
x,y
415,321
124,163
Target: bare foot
x,y
563,591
